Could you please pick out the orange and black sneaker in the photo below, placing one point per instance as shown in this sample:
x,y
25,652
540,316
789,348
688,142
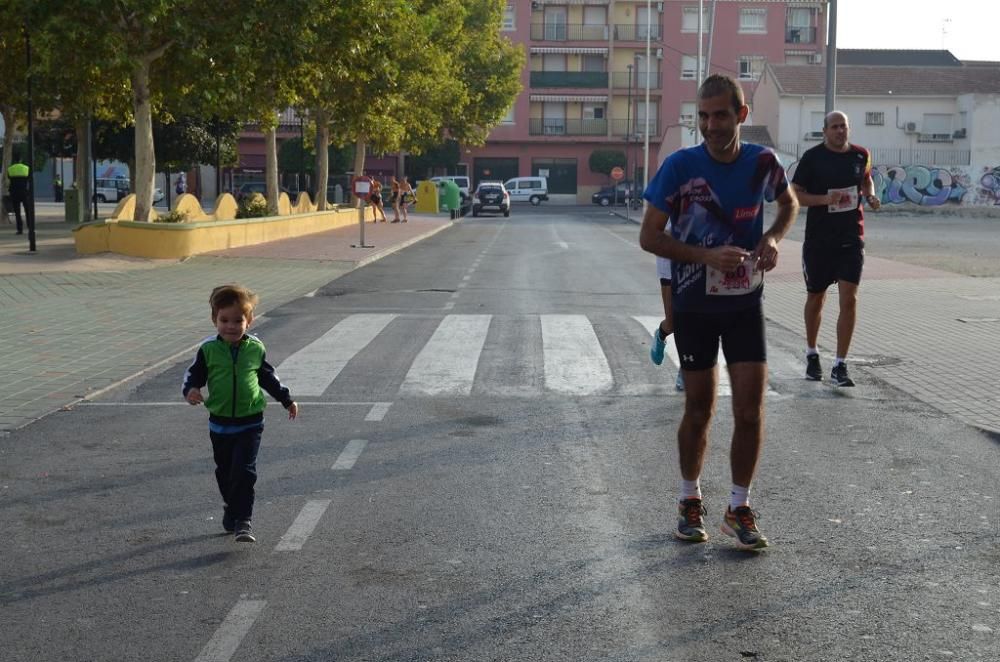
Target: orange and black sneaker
x,y
741,524
689,523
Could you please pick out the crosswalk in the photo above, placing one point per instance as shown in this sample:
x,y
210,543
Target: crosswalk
x,y
490,355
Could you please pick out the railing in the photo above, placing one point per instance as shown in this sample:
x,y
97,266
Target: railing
x,y
631,32
796,35
538,126
901,156
569,79
634,127
568,32
620,80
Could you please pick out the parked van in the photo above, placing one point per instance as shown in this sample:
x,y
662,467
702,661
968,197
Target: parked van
x,y
461,181
528,189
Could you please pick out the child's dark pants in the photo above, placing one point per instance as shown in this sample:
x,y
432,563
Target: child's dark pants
x,y
236,470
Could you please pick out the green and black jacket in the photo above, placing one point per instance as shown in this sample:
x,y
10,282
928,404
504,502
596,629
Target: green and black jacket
x,y
235,375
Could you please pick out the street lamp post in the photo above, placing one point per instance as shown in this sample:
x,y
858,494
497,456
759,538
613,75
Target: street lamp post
x,y
649,64
30,209
628,128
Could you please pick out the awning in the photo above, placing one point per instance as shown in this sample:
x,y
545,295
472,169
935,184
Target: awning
x,y
793,51
569,97
539,50
571,2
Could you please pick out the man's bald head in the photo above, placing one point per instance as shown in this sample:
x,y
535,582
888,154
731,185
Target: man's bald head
x,y
836,131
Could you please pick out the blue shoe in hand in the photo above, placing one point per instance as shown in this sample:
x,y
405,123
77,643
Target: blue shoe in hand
x,y
658,347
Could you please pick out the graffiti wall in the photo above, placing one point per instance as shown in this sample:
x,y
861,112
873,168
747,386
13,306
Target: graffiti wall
x,y
934,186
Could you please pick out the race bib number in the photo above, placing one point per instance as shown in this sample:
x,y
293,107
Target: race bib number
x,y
846,200
742,280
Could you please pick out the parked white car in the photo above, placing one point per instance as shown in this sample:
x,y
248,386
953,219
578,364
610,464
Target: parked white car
x,y
461,181
528,189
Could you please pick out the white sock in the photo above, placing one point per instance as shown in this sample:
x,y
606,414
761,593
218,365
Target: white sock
x,y
690,489
812,350
837,361
739,496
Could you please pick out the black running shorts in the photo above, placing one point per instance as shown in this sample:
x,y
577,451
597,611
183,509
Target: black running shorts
x,y
823,265
697,337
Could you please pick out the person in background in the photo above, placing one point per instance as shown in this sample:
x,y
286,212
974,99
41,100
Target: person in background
x,y
19,176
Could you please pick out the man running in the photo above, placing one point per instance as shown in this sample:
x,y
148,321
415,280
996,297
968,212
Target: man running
x,y
830,179
713,196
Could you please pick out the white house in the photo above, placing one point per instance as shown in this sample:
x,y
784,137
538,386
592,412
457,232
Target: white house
x,y
931,122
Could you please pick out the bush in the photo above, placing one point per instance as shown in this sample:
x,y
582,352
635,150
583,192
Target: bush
x,y
253,206
173,217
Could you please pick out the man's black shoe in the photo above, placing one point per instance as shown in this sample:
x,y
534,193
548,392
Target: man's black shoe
x,y
839,375
813,370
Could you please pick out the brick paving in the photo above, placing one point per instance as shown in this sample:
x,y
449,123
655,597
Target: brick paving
x,y
76,325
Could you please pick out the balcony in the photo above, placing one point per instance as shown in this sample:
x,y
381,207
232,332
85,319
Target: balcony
x,y
593,79
635,127
566,127
620,80
627,32
568,32
796,35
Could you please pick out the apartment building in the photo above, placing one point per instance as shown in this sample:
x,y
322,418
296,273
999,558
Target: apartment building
x,y
587,74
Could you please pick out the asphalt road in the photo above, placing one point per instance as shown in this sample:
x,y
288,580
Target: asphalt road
x,y
420,511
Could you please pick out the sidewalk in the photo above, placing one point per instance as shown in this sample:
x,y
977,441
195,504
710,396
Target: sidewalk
x,y
931,334
77,325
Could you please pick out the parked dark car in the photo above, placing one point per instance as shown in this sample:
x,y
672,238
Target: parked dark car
x,y
617,194
491,195
259,187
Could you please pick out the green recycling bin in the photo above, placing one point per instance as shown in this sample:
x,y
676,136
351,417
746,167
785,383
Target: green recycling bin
x,y
449,196
71,199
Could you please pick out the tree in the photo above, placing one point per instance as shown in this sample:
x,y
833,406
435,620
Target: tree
x,y
445,156
605,160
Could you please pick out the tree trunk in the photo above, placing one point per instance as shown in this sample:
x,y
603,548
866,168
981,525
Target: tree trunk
x,y
82,172
145,157
9,119
359,160
271,169
322,159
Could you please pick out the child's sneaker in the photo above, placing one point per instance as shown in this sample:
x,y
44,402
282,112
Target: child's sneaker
x,y
742,525
244,532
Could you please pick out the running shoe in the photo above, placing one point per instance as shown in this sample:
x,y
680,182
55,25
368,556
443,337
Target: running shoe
x,y
657,348
813,369
839,375
679,380
689,524
244,532
742,525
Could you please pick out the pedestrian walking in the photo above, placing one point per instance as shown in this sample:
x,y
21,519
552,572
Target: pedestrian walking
x,y
181,187
233,364
57,188
394,199
375,200
831,179
713,195
19,178
406,197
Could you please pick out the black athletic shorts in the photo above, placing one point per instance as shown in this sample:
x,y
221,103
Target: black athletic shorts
x,y
697,337
825,264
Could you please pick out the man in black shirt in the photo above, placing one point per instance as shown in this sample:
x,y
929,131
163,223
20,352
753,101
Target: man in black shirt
x,y
831,179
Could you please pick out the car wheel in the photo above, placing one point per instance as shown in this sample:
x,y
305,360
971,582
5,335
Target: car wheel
x,y
535,200
605,202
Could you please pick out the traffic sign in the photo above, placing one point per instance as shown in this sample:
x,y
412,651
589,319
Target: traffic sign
x,y
362,186
617,173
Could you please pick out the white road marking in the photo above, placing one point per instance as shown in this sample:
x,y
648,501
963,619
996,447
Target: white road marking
x,y
223,644
378,411
181,403
563,245
349,455
447,363
313,368
574,361
303,526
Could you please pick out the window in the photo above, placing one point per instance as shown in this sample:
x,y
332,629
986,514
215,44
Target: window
x,y
799,17
875,118
646,23
592,62
689,67
509,117
688,112
751,67
640,118
689,19
593,112
936,126
507,25
753,21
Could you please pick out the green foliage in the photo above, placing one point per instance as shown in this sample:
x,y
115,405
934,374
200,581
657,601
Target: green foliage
x,y
442,156
252,206
290,152
605,160
174,216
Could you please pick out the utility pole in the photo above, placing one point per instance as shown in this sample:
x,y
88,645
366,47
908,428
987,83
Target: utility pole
x,y
649,65
831,55
30,210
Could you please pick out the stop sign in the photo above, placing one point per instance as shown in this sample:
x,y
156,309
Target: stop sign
x,y
617,173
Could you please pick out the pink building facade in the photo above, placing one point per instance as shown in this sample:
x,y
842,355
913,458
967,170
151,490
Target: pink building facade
x,y
585,83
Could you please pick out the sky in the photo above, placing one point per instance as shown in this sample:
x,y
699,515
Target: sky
x,y
970,29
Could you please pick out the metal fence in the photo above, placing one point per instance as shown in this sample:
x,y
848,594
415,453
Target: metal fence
x,y
903,156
